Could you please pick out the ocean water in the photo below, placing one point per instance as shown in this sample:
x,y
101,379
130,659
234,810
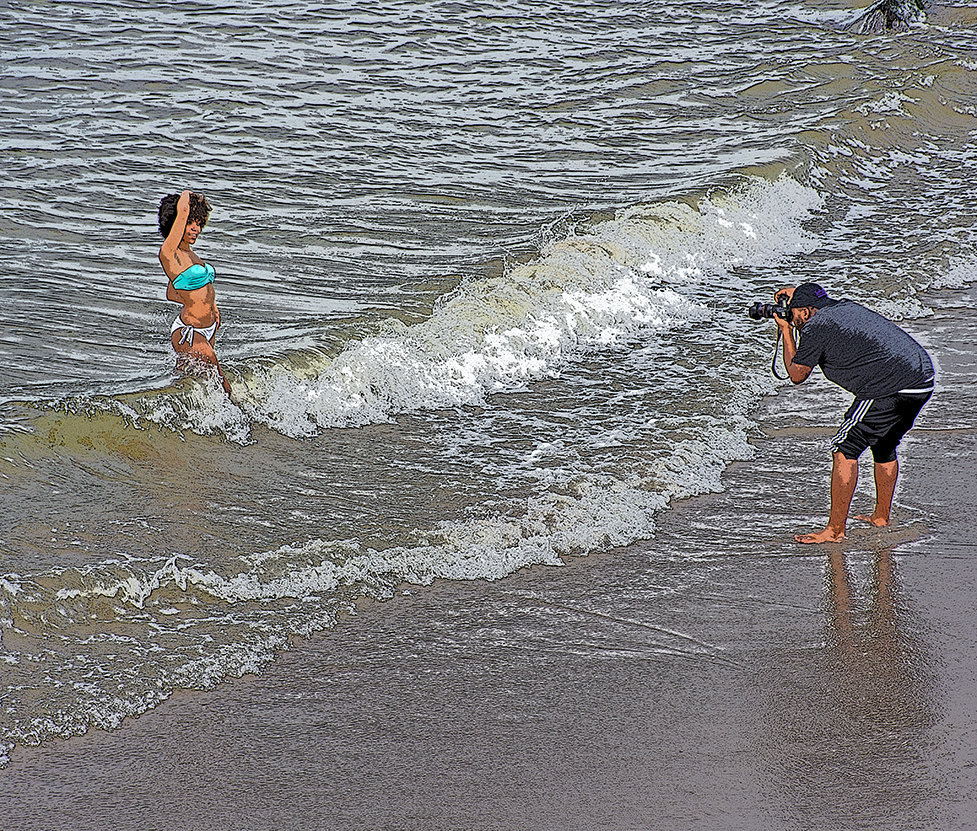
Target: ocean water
x,y
483,276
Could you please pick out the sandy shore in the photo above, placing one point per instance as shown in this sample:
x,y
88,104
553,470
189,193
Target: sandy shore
x,y
718,677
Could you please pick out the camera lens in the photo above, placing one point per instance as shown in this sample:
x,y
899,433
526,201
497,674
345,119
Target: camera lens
x,y
759,311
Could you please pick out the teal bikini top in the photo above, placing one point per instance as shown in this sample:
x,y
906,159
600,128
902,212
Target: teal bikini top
x,y
195,277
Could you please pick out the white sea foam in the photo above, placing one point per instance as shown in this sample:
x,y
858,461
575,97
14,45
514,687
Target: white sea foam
x,y
638,272
961,273
591,512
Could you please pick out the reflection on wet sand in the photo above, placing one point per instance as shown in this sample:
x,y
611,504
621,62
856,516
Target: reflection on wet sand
x,y
853,747
870,660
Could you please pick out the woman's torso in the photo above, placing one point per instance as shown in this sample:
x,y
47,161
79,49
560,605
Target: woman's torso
x,y
197,295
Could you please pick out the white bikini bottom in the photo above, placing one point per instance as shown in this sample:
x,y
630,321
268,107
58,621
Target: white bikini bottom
x,y
187,331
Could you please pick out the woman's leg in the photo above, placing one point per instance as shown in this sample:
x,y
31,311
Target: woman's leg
x,y
201,349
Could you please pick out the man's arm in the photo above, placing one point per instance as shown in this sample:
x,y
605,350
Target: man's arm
x,y
798,372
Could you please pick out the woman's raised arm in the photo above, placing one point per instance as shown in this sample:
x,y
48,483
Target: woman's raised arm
x,y
167,251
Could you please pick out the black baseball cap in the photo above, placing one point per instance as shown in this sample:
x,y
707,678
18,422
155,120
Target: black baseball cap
x,y
810,294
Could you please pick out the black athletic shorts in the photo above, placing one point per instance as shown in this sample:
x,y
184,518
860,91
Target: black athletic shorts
x,y
879,423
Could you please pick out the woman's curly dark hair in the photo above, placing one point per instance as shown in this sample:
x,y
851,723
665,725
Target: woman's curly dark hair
x,y
199,211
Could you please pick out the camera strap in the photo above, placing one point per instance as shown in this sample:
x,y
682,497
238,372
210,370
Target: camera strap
x,y
773,363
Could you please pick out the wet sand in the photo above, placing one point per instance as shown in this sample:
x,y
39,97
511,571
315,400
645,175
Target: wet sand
x,y
718,677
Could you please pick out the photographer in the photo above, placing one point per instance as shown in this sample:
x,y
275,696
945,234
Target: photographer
x,y
889,373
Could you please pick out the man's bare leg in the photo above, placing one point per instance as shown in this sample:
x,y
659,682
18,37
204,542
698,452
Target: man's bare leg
x,y
844,477
885,486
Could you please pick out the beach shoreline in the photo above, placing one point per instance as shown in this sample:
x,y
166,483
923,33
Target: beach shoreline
x,y
710,678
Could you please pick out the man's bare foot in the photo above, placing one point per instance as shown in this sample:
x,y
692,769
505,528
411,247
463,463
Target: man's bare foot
x,y
878,522
827,535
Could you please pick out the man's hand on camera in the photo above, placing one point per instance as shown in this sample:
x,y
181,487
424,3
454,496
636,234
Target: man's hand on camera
x,y
783,324
782,297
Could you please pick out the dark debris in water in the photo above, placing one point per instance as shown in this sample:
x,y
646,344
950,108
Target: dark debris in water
x,y
892,16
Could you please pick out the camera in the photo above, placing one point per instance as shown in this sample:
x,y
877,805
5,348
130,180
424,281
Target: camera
x,y
765,311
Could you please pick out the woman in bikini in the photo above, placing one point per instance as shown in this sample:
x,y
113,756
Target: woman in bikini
x,y
191,280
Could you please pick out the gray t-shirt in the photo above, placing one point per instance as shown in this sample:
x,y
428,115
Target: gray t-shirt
x,y
863,352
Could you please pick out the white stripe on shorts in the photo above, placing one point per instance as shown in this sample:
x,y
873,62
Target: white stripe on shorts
x,y
931,381
850,422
